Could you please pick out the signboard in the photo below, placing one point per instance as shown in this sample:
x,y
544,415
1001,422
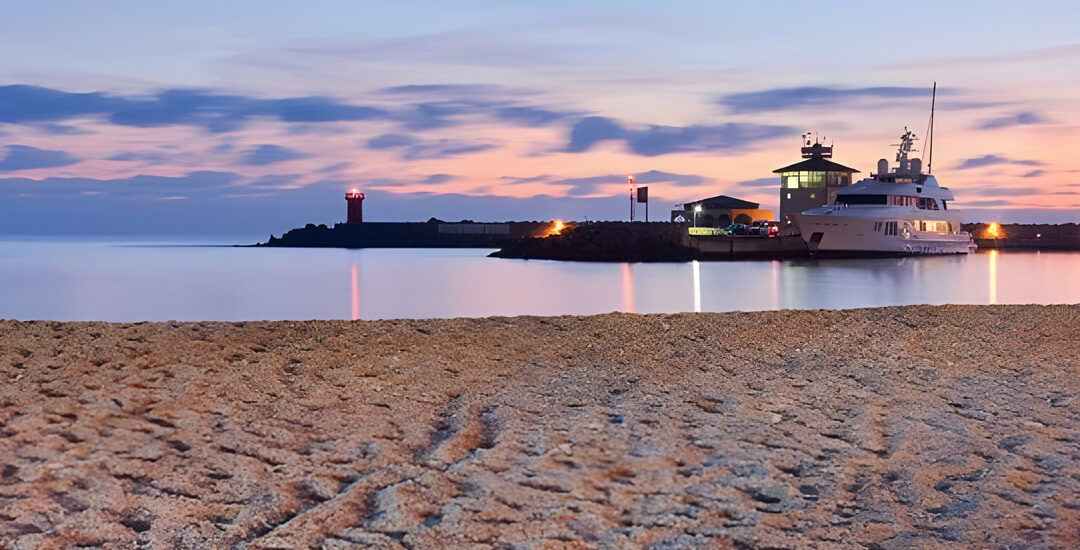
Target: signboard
x,y
643,194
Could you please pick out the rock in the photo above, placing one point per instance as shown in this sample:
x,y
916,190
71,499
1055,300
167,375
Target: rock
x,y
770,493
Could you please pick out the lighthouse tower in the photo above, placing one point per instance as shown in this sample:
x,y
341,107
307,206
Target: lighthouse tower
x,y
355,199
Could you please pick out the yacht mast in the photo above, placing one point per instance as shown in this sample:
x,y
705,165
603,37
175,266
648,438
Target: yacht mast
x,y
930,138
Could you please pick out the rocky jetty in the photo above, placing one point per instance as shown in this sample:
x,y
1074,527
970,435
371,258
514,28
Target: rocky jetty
x,y
1065,236
906,427
607,242
433,233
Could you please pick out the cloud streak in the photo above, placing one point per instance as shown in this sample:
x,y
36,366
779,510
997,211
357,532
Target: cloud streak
x,y
1008,191
270,154
1018,119
991,160
662,140
198,183
413,148
594,185
24,157
21,104
780,99
760,182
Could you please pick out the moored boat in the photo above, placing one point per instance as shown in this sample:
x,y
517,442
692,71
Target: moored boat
x,y
894,213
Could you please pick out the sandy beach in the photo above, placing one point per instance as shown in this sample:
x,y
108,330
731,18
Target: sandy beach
x,y
952,426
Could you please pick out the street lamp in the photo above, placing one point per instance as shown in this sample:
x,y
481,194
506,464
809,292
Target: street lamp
x,y
697,208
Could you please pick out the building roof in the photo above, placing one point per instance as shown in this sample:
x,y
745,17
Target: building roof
x,y
816,164
724,202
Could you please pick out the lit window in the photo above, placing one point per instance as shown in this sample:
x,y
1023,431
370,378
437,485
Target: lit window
x,y
813,196
789,195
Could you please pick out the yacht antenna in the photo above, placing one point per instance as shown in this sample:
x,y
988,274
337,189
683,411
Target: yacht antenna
x,y
930,138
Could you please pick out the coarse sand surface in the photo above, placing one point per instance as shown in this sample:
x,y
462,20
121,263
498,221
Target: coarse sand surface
x,y
901,427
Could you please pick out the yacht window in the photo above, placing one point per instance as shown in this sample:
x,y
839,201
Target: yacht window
x,y
862,199
944,205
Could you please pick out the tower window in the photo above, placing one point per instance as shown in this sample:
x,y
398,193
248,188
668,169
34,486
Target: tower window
x,y
811,179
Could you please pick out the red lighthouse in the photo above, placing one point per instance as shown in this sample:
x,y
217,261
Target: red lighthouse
x,y
356,206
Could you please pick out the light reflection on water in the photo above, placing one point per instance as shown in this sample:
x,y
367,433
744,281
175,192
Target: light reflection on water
x,y
992,257
88,281
354,292
628,288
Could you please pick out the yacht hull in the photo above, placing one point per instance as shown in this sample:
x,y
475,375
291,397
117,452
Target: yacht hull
x,y
832,235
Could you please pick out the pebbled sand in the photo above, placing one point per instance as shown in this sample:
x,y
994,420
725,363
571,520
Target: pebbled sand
x,y
952,426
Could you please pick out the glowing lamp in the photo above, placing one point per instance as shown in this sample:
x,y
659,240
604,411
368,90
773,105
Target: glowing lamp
x,y
557,227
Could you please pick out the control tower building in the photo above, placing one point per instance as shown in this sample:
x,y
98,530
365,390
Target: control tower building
x,y
812,182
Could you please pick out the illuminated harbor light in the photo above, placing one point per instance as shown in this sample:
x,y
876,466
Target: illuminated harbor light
x,y
556,228
993,231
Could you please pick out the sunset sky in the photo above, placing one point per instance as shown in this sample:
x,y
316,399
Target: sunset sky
x,y
249,118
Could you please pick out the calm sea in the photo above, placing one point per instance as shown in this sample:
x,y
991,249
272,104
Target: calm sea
x,y
133,282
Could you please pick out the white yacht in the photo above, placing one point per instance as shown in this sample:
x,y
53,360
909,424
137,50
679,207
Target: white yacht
x,y
892,213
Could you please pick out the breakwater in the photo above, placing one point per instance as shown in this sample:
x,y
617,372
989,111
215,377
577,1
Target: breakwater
x,y
431,234
648,242
621,241
607,242
1064,236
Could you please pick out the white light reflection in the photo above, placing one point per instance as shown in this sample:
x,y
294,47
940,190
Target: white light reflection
x,y
697,286
775,269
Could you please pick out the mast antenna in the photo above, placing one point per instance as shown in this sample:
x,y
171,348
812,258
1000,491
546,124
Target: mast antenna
x,y
930,138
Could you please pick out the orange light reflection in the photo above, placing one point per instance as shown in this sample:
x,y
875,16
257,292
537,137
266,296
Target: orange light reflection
x,y
993,275
628,288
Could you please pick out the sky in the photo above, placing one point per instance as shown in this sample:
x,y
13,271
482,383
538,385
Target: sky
x,y
248,118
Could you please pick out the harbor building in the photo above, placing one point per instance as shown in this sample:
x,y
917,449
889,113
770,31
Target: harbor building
x,y
812,182
720,211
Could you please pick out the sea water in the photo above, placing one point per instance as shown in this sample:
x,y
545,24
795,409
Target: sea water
x,y
105,281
